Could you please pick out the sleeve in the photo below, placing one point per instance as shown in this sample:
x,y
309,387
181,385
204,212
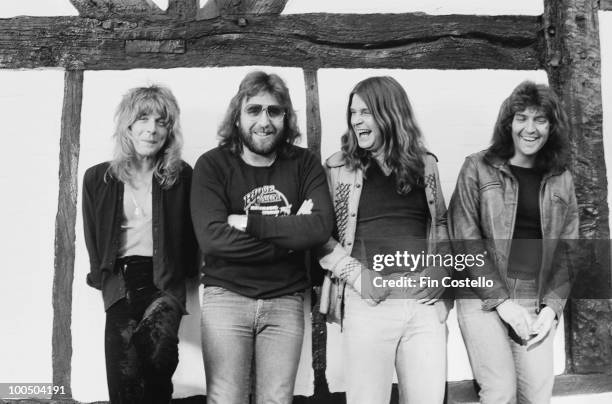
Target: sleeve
x,y
332,256
464,230
439,238
300,232
441,218
209,212
563,265
94,277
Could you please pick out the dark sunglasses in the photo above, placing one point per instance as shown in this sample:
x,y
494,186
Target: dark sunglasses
x,y
273,111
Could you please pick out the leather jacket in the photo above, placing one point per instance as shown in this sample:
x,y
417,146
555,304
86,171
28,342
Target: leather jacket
x,y
345,186
484,205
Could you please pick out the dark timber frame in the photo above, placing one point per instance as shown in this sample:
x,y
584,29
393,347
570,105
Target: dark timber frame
x,y
128,34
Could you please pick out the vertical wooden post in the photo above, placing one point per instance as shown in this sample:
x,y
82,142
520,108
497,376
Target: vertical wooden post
x,y
573,64
319,327
313,111
65,222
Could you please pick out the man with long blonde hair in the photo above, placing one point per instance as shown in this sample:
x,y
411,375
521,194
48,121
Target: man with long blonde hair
x,y
141,245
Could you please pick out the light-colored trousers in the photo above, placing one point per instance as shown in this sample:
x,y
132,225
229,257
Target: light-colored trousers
x,y
397,334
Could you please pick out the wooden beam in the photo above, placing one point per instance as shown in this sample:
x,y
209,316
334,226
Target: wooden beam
x,y
573,66
183,9
217,8
313,112
262,6
605,5
565,385
65,221
407,41
115,8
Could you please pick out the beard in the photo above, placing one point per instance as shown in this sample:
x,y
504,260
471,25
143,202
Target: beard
x,y
264,146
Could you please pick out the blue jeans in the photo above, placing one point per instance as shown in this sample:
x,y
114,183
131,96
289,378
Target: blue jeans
x,y
397,334
505,370
244,337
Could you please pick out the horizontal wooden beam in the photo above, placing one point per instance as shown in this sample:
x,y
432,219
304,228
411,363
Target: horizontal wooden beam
x,y
216,8
565,385
115,8
408,41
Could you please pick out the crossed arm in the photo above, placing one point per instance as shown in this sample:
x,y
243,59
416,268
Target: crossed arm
x,y
256,239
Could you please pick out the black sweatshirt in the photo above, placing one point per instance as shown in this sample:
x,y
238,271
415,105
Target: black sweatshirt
x,y
268,259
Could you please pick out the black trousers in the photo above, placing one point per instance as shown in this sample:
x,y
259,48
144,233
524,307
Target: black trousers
x,y
141,338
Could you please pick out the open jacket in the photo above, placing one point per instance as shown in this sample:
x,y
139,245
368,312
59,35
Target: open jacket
x,y
345,187
484,205
174,244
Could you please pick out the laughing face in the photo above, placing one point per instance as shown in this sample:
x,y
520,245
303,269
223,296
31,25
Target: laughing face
x,y
365,127
530,129
261,123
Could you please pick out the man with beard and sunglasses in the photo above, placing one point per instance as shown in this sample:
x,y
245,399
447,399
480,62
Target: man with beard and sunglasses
x,y
258,203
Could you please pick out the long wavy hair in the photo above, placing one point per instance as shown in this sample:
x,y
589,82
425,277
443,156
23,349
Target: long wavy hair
x,y
402,140
554,155
135,103
254,83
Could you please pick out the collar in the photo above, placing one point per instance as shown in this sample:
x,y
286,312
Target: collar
x,y
503,165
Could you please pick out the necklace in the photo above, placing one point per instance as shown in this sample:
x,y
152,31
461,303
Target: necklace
x,y
139,212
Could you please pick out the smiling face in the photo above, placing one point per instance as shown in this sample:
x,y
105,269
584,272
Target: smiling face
x,y
261,124
148,134
530,130
364,126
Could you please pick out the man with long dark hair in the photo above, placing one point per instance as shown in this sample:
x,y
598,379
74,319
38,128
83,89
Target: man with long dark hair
x,y
258,201
141,245
517,197
387,198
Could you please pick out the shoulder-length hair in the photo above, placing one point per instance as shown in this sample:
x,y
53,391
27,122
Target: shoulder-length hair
x,y
135,103
554,154
402,140
254,83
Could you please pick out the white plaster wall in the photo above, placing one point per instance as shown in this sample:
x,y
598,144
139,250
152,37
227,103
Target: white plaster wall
x,y
31,104
485,7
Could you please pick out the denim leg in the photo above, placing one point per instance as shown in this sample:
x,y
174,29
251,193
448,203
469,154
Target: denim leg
x,y
534,365
370,339
421,355
488,347
278,346
123,366
227,345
